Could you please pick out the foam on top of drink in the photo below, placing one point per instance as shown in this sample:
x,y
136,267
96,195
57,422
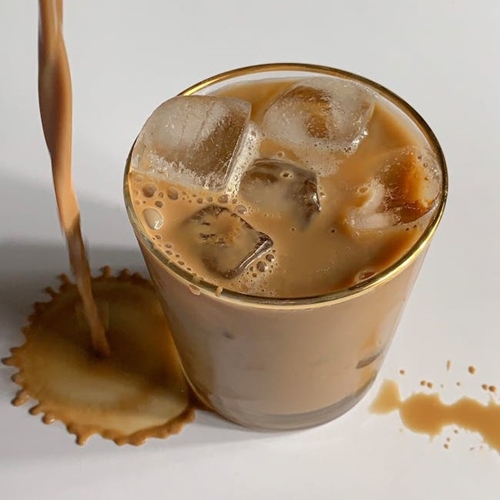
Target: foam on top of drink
x,y
283,188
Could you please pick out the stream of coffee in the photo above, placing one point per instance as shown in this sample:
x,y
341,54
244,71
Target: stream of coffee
x,y
98,355
55,97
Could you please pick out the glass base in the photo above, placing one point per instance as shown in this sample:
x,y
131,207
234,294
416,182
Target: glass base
x,y
266,422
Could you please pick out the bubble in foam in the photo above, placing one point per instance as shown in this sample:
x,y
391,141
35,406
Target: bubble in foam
x,y
262,266
173,194
153,218
241,209
270,257
159,204
149,190
223,199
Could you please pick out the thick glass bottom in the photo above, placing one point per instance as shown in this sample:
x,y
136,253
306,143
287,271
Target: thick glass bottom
x,y
294,421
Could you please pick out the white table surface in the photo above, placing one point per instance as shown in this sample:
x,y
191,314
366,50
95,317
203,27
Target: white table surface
x,y
127,57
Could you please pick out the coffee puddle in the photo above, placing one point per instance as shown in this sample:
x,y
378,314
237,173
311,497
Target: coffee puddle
x,y
138,392
428,414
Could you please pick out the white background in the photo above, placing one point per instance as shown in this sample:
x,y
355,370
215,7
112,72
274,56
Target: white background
x,y
127,57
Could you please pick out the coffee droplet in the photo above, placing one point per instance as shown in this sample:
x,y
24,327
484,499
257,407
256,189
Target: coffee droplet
x,y
138,392
153,218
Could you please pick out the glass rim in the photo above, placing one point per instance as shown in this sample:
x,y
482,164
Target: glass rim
x,y
339,295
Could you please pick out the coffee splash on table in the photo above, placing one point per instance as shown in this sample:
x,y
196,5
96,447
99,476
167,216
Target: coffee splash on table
x,y
426,413
138,392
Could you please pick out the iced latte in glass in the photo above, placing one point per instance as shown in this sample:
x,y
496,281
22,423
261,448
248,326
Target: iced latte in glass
x,y
284,212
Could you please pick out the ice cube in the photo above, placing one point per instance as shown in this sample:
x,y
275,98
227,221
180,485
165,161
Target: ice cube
x,y
227,243
404,188
193,141
326,114
279,187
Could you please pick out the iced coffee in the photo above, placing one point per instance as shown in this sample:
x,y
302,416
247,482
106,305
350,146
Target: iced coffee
x,y
284,212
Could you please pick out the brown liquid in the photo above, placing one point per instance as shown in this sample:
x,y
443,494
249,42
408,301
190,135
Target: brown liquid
x,y
427,414
54,89
325,255
138,392
98,356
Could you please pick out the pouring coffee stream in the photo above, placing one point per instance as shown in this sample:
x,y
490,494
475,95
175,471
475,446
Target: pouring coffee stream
x,y
55,98
136,392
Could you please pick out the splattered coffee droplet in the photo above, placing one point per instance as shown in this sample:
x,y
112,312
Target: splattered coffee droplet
x,y
427,414
402,372
138,392
471,370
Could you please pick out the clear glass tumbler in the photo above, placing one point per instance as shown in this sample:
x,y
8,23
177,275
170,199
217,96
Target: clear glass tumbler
x,y
273,363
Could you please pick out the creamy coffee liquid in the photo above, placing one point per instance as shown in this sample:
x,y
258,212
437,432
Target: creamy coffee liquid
x,y
98,356
300,215
55,97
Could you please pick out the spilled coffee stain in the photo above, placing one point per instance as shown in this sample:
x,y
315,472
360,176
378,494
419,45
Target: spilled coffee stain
x,y
427,414
138,392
